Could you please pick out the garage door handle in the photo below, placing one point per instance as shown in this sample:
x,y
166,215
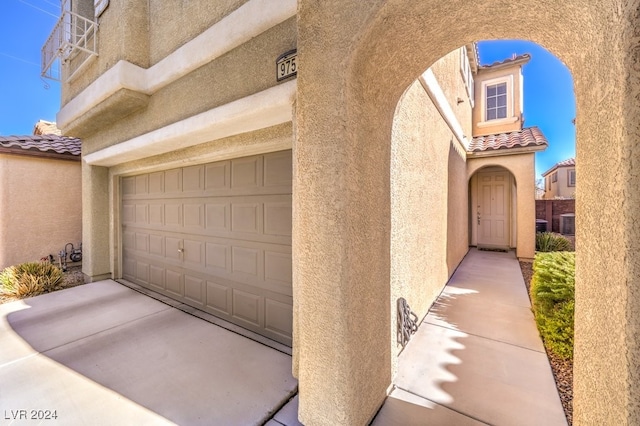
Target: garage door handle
x,y
180,250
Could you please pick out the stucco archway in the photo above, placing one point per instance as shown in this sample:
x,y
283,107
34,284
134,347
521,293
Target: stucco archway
x,y
356,60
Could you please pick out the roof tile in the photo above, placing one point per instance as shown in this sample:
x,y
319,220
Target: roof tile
x,y
43,143
528,137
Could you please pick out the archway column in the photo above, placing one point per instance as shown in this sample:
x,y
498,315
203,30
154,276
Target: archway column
x,y
340,235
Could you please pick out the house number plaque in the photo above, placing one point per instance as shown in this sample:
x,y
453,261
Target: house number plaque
x,y
287,65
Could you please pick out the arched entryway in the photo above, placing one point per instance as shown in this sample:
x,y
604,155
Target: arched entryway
x,y
493,217
356,60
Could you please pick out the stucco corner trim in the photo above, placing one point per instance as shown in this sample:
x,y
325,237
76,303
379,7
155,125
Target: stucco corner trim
x,y
434,91
268,108
240,26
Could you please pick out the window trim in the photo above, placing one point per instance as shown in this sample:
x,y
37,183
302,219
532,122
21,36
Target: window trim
x,y
511,118
554,177
467,75
569,173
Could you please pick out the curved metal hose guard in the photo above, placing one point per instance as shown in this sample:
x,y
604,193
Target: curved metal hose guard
x,y
407,322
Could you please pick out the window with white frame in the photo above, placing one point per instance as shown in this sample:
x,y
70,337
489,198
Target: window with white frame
x,y
467,74
571,177
496,101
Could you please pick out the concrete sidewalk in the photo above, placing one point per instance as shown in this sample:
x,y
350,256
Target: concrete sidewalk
x,y
104,354
477,358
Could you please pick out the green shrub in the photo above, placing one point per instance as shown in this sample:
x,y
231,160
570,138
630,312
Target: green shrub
x,y
30,279
549,241
552,296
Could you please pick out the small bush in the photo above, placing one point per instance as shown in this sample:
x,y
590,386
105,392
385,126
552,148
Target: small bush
x,y
552,297
30,279
549,241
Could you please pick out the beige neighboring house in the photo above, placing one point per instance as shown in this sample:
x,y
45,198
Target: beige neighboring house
x,y
560,180
300,195
40,197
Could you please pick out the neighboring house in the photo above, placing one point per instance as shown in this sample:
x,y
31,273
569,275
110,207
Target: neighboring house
x,y
560,180
304,208
40,197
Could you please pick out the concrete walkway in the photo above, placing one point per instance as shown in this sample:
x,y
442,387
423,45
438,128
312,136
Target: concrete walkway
x,y
104,354
477,358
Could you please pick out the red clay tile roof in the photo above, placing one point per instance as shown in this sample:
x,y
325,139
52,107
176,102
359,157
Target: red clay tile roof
x,y
47,145
528,137
571,162
520,58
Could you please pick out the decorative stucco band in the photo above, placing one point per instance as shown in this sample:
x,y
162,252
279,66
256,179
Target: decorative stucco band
x,y
261,110
248,21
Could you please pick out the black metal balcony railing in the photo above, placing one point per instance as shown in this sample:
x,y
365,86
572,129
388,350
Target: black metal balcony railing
x,y
72,34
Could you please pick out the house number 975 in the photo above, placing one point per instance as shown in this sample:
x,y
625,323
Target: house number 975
x,y
287,65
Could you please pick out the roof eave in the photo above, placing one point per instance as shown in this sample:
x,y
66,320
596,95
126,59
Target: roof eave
x,y
507,151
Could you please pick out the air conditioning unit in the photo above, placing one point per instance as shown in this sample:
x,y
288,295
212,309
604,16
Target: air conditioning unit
x,y
568,224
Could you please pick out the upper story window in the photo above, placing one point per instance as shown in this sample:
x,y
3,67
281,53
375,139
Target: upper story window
x,y
497,101
554,177
496,98
571,177
467,74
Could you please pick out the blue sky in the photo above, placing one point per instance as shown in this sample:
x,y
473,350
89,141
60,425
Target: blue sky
x,y
549,102
25,96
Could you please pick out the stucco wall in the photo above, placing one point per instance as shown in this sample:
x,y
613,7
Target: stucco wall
x,y
41,207
421,252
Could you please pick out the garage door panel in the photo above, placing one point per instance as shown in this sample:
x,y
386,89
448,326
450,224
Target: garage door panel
x,y
173,182
173,215
156,214
142,213
156,277
277,169
277,218
247,307
173,248
156,245
218,176
218,298
244,260
193,179
173,280
278,317
156,183
218,256
142,242
142,272
193,252
194,289
246,173
245,217
193,217
217,217
216,237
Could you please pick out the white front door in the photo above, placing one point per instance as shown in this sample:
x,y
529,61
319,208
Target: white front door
x,y
492,211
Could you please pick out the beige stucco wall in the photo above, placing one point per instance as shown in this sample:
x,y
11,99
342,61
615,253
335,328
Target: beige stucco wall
x,y
513,121
41,207
341,117
522,169
422,255
561,187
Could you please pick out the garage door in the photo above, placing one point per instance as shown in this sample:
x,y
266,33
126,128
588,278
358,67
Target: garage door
x,y
217,237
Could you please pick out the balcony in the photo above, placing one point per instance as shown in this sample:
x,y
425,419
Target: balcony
x,y
72,42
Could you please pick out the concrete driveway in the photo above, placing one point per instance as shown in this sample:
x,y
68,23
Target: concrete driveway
x,y
103,353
